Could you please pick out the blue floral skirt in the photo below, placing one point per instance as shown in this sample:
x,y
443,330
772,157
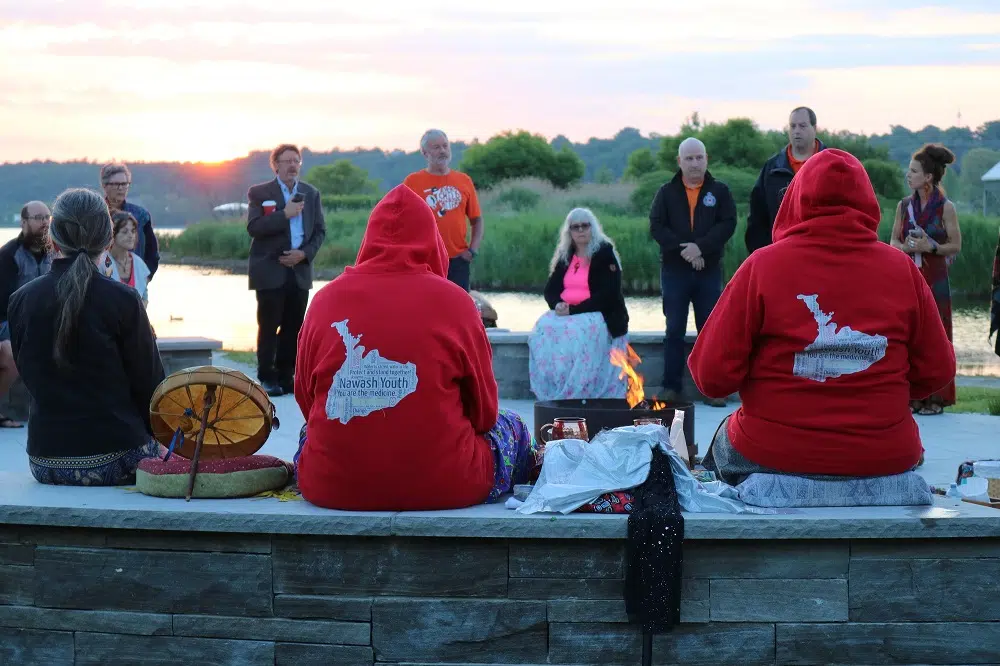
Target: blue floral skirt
x,y
107,469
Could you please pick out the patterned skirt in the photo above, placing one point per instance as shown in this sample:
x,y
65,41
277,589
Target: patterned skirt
x,y
569,357
107,469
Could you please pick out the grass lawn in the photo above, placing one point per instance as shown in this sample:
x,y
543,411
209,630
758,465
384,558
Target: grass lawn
x,y
244,357
971,399
976,400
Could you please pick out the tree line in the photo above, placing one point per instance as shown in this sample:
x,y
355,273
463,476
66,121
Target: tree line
x,y
181,193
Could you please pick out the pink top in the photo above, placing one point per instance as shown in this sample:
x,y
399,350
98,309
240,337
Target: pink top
x,y
576,288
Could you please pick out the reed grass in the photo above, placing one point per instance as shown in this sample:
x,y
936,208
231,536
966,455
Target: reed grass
x,y
519,242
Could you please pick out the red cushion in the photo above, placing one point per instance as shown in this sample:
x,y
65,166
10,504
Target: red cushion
x,y
178,465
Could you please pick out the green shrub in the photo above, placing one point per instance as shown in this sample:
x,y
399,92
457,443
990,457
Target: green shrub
x,y
644,193
886,177
519,199
740,181
337,202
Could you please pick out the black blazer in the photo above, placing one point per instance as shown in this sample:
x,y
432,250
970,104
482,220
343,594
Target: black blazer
x,y
271,235
605,282
714,220
101,403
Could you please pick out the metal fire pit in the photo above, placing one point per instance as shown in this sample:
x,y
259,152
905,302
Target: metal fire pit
x,y
607,413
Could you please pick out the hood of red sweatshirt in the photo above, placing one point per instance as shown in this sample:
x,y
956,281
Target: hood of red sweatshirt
x,y
831,197
402,237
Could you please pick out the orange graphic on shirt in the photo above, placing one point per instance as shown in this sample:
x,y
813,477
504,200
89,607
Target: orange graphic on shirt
x,y
453,199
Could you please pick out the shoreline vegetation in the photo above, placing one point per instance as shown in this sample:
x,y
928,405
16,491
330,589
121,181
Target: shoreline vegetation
x,y
522,220
969,400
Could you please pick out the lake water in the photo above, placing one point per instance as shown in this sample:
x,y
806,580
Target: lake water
x,y
192,301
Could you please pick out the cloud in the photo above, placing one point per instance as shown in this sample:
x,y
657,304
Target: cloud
x,y
163,78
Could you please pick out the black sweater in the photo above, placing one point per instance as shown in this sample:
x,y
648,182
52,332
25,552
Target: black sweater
x,y
714,220
605,282
101,403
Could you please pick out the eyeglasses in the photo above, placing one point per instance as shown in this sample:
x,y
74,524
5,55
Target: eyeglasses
x,y
119,184
38,218
292,161
583,226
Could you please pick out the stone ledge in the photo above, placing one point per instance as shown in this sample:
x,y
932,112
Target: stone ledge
x,y
504,336
115,508
188,344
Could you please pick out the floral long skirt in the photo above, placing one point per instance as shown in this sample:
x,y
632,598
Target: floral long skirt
x,y
569,357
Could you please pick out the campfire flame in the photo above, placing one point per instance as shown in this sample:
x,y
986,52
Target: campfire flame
x,y
636,393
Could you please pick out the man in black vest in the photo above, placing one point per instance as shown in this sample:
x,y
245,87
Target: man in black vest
x,y
22,259
286,227
692,218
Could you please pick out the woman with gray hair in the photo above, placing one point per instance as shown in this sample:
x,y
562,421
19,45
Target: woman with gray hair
x,y
87,356
570,346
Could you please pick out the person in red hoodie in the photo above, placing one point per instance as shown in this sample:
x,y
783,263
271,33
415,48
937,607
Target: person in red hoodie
x,y
827,334
394,376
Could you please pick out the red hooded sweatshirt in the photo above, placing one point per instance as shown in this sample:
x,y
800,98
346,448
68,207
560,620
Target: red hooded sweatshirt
x,y
827,335
395,376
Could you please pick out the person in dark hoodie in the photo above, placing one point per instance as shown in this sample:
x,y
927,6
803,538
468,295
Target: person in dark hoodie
x,y
401,416
827,335
778,171
692,218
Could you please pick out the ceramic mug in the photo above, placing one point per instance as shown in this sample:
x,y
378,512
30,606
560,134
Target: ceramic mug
x,y
569,427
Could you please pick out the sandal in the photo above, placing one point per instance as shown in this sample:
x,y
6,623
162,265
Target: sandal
x,y
931,410
7,422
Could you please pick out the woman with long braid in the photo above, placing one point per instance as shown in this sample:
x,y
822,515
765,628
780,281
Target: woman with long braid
x,y
86,353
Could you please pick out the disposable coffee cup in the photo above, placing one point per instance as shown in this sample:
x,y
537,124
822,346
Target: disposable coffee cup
x,y
270,207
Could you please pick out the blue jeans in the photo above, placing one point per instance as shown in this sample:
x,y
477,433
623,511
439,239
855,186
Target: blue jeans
x,y
459,272
682,286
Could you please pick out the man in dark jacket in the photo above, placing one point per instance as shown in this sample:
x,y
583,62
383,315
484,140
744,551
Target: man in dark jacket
x,y
22,259
765,198
692,218
286,227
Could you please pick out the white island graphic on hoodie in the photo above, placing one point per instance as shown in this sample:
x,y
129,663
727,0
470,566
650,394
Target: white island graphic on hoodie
x,y
366,383
836,352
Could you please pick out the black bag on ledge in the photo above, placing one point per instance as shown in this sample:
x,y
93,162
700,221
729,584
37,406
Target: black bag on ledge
x,y
653,551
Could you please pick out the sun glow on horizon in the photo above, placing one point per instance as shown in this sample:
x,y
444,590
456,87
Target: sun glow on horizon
x,y
180,80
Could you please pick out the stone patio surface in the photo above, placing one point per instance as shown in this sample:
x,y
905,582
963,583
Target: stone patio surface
x,y
949,440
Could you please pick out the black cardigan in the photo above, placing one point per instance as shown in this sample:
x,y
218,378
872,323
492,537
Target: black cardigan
x,y
101,403
605,282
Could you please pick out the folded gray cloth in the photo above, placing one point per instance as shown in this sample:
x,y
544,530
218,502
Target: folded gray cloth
x,y
783,490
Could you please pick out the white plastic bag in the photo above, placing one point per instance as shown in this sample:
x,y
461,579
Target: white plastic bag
x,y
575,472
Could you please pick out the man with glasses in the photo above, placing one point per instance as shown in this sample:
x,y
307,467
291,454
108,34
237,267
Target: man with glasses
x,y
21,260
286,227
116,179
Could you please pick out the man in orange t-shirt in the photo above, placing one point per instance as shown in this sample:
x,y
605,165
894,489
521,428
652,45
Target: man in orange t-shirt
x,y
452,197
777,174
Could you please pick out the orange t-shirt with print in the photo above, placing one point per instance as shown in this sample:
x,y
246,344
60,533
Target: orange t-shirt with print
x,y
453,199
692,193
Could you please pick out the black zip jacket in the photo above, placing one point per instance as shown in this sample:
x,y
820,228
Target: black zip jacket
x,y
605,282
714,220
766,196
100,404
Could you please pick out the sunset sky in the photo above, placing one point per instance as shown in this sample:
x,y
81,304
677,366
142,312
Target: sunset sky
x,y
214,79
